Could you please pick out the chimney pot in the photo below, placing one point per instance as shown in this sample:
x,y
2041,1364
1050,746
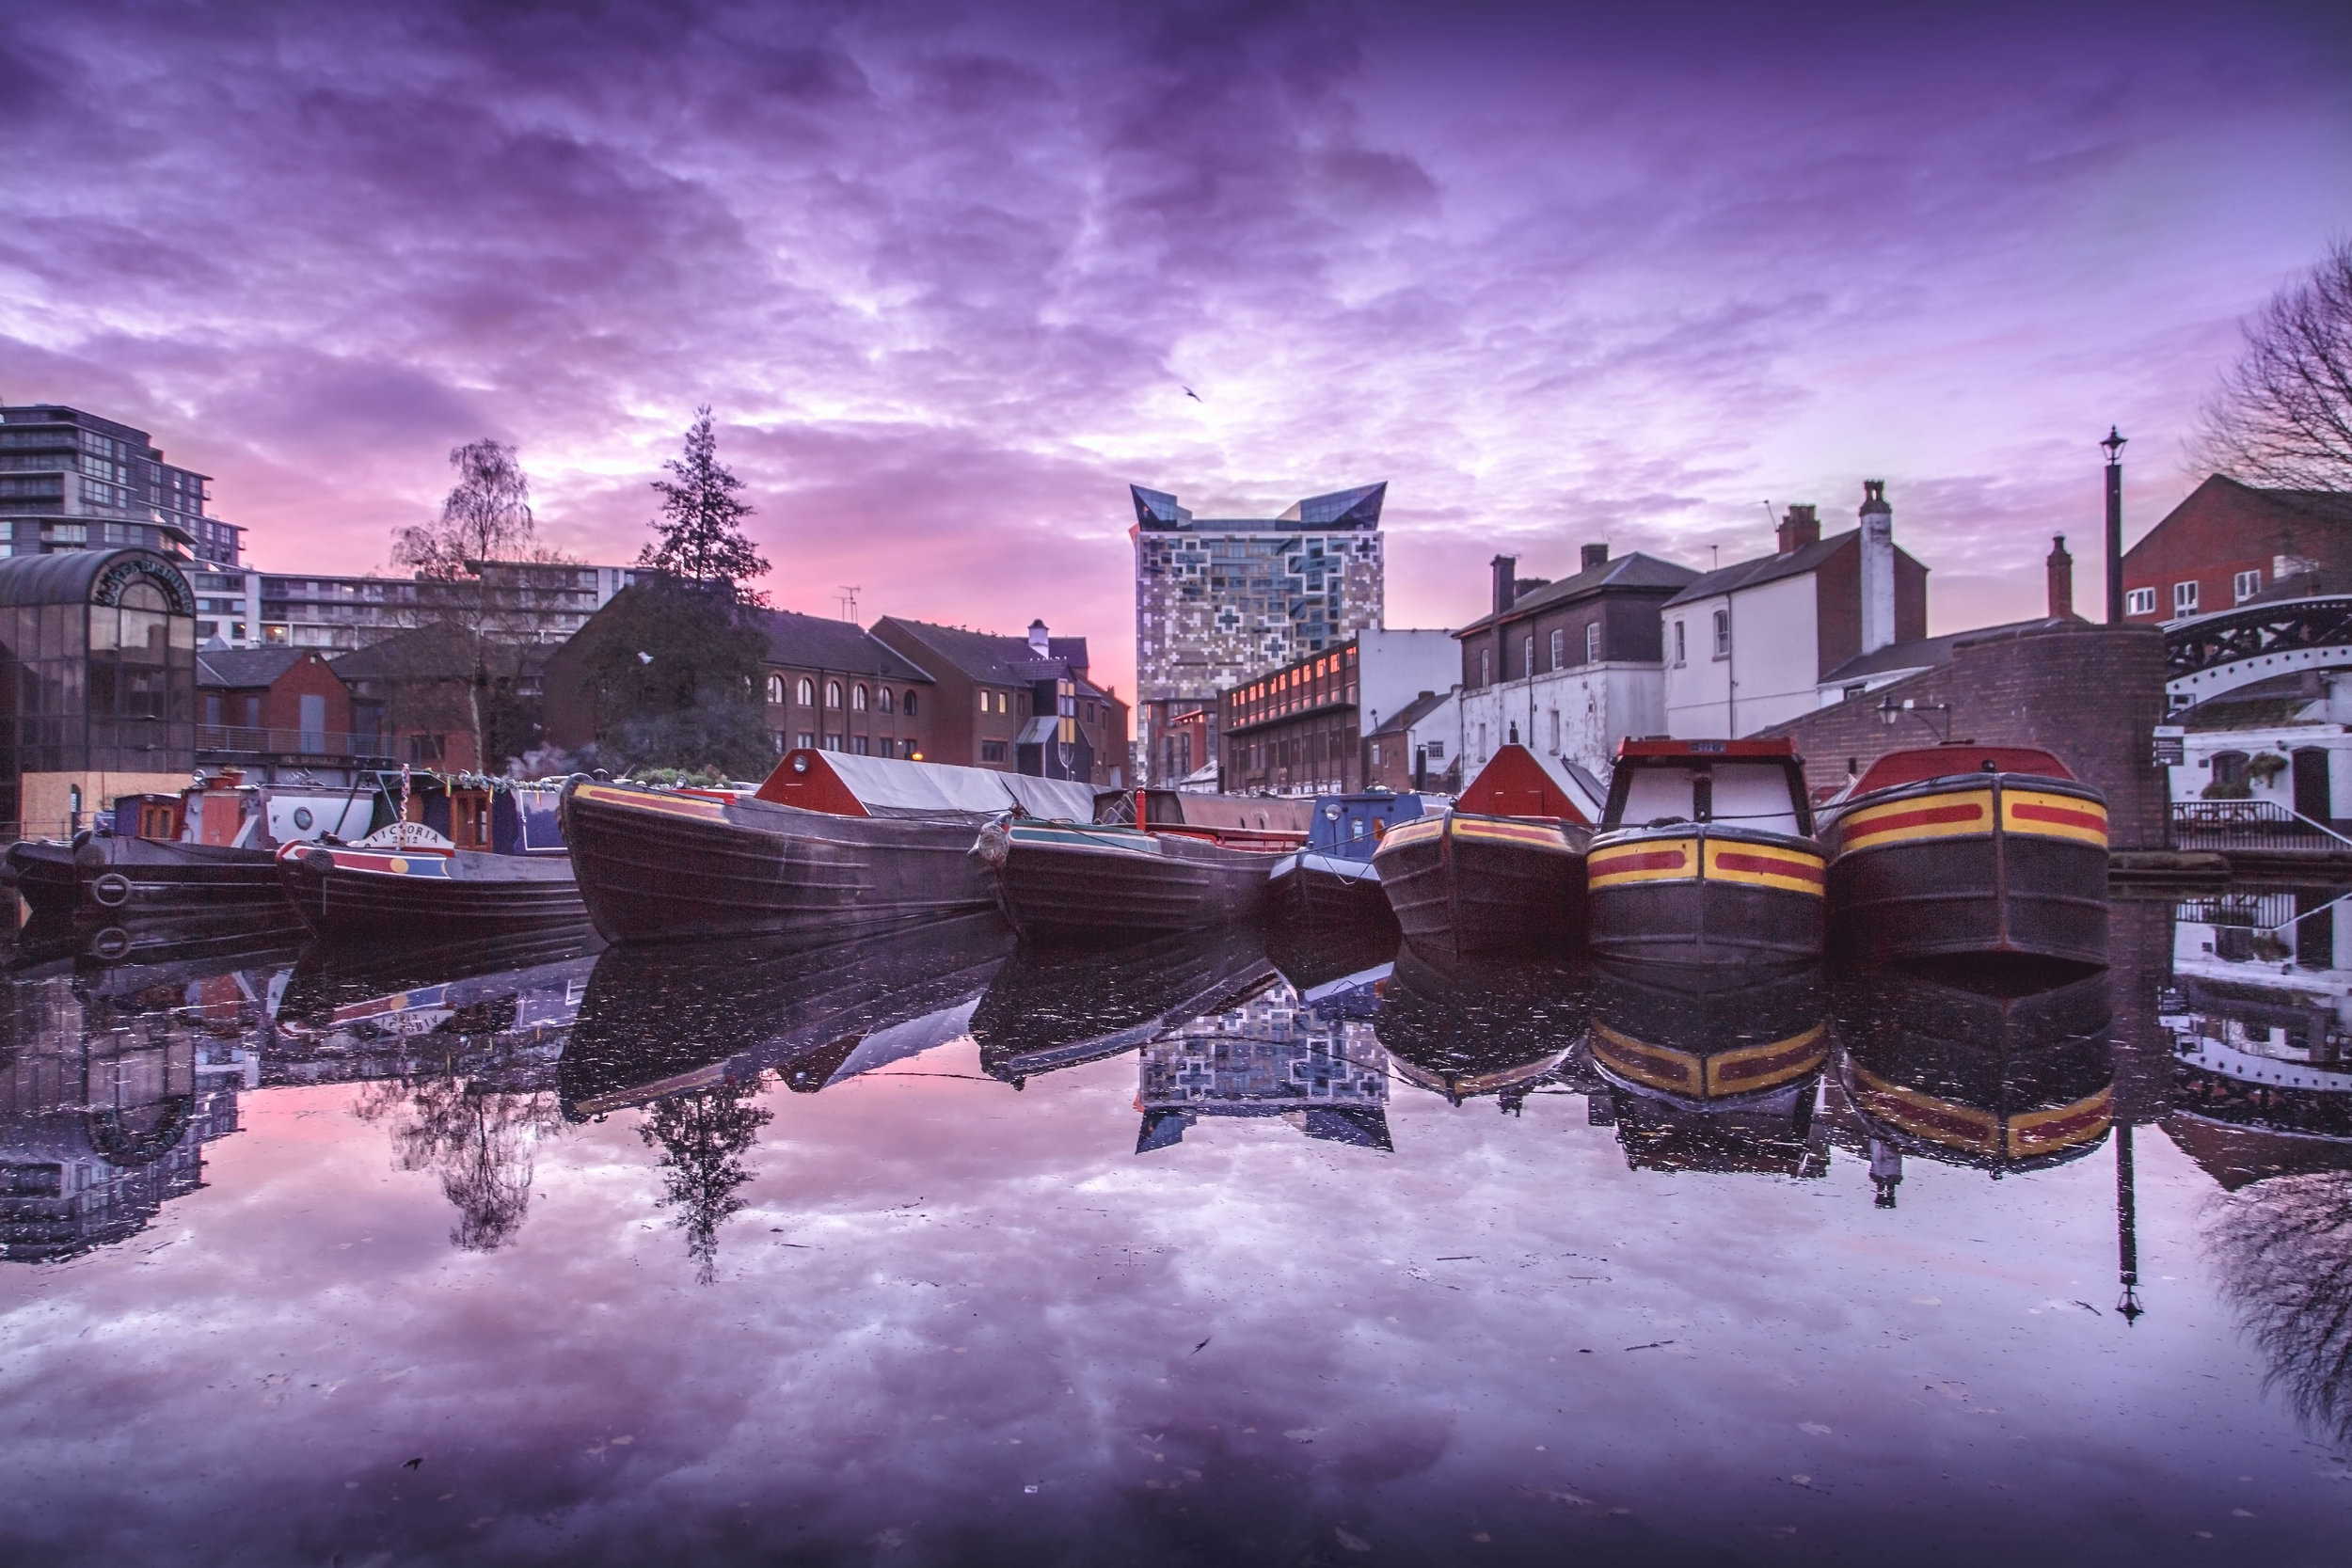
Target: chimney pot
x,y
2061,574
1506,581
1799,528
1595,556
1040,644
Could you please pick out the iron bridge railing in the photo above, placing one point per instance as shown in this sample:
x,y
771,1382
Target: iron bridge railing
x,y
2207,641
2249,825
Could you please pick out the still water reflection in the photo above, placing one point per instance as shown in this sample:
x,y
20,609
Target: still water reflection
x,y
935,1249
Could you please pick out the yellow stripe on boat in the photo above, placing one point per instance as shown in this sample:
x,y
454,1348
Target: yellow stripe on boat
x,y
1765,1066
1790,870
2038,1132
1649,860
1923,1116
2046,816
1675,1071
1413,832
1959,814
1536,835
641,799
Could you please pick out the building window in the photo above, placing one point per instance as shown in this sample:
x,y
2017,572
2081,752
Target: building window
x,y
862,745
777,736
1376,754
1679,647
775,691
1592,644
1555,731
1722,633
907,707
1559,648
806,741
1528,658
882,699
1486,666
2140,601
984,703
992,750
858,698
833,695
2246,585
1435,750
807,691
2184,598
1482,742
833,743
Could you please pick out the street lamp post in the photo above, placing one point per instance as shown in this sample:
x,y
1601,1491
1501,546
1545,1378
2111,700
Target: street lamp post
x,y
2113,447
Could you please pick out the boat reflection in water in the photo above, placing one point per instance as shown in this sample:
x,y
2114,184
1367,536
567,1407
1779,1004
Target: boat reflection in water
x,y
1056,1008
1711,1071
1273,1054
663,1022
1463,1028
2003,1070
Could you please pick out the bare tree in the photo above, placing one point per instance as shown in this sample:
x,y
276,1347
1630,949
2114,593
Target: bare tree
x,y
2285,1247
486,516
2283,415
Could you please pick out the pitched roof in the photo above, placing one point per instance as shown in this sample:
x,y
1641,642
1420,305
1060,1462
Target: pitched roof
x,y
1623,573
243,667
1929,651
1412,713
984,656
1763,569
820,642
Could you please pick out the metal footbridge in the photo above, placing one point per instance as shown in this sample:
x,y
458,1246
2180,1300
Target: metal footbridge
x,y
2205,655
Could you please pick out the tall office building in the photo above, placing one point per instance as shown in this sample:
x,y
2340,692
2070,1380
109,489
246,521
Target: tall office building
x,y
71,481
1221,599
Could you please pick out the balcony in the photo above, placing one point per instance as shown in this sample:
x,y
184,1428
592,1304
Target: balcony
x,y
237,741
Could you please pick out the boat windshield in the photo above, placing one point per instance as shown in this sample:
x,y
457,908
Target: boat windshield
x,y
1740,794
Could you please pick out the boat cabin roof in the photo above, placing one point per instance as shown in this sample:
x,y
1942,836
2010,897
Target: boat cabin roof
x,y
1350,826
841,784
1523,783
1274,813
1742,784
1957,756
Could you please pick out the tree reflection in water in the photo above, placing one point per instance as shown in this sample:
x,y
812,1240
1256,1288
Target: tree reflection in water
x,y
701,1136
2285,1247
478,1142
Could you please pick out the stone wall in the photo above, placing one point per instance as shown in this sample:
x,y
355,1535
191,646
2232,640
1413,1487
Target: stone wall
x,y
2092,694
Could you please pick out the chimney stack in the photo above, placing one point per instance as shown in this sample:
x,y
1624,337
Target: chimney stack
x,y
1799,528
1040,645
1595,556
1878,567
2061,569
1506,581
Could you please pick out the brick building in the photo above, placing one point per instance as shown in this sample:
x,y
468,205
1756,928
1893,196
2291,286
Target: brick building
x,y
268,707
2227,541
1419,746
2092,694
1299,729
833,686
1003,702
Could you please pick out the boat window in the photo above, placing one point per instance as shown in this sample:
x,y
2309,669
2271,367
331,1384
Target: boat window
x,y
1656,793
1754,795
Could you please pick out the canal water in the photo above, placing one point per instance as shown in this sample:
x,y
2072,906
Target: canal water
x,y
938,1251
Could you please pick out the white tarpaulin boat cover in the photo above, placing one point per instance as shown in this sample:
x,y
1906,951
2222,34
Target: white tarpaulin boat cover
x,y
889,786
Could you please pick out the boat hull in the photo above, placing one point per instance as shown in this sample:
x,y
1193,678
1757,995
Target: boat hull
x,y
1313,890
1706,896
1462,884
1972,865
345,892
1065,883
656,866
136,878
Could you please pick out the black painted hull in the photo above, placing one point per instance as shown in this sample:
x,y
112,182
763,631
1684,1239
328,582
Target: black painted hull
x,y
1699,913
142,877
1101,887
1310,895
660,867
482,892
1465,884
1983,892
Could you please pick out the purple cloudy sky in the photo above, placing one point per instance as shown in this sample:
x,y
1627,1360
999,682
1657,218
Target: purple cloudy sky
x,y
944,271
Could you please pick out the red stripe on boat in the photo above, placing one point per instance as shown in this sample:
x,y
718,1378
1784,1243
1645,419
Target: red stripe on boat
x,y
1650,860
1925,817
2026,811
1801,871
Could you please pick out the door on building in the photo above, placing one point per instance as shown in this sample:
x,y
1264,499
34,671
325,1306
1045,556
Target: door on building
x,y
313,724
2311,784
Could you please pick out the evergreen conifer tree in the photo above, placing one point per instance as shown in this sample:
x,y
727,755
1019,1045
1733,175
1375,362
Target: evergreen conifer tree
x,y
700,529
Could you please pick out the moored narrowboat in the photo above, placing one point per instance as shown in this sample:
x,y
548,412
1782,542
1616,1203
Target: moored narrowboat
x,y
500,865
210,850
1504,869
1706,856
1331,879
829,846
1106,883
1963,850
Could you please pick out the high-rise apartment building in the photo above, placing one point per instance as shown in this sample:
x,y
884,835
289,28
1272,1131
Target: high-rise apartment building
x,y
71,481
1221,599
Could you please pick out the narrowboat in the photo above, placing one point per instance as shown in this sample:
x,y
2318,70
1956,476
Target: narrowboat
x,y
1331,879
828,847
1706,856
1113,883
1479,1026
467,855
1712,1070
1968,851
1502,871
1322,962
1964,1069
1051,1008
210,850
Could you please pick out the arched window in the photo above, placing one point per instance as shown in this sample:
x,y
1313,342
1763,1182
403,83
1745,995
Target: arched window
x,y
808,691
882,699
857,698
2229,768
833,694
775,689
909,706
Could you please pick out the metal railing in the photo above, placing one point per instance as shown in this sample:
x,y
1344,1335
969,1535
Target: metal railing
x,y
2249,825
250,740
